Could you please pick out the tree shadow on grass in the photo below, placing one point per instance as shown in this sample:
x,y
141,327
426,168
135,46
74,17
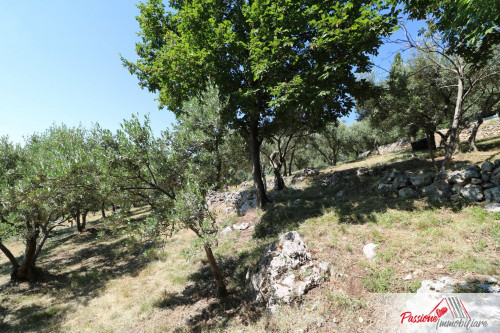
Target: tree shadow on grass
x,y
354,199
32,318
70,277
218,312
485,144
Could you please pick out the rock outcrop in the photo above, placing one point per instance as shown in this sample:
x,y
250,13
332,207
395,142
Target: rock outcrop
x,y
286,271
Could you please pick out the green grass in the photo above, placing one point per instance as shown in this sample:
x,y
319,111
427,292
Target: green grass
x,y
380,280
470,263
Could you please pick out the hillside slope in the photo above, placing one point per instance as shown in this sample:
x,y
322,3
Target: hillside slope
x,y
98,282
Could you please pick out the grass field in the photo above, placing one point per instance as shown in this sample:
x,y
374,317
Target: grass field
x,y
97,282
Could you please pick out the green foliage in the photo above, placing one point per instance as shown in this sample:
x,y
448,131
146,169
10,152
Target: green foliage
x,y
414,97
339,140
469,28
173,173
43,184
283,55
275,62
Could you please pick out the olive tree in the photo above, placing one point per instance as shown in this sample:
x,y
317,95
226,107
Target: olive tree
x,y
174,171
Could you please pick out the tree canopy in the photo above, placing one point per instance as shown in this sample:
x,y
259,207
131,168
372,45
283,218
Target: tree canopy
x,y
469,28
270,59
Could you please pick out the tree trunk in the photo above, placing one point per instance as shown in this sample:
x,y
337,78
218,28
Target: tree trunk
x,y
279,183
79,227
46,233
264,181
103,211
284,167
84,219
472,138
219,281
291,161
256,168
450,148
27,270
431,144
12,259
444,137
113,207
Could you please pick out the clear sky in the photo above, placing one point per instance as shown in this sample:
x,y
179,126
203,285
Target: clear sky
x,y
60,63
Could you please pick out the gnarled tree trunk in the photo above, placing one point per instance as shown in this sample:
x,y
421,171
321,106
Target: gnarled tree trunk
x,y
256,170
27,270
279,183
472,137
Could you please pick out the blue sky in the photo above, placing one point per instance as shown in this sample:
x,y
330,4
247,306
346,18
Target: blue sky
x,y
60,63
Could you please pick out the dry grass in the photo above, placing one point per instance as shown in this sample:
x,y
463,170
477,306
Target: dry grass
x,y
96,284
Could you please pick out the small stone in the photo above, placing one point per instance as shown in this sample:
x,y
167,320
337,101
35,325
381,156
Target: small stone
x,y
487,166
241,226
444,284
408,277
369,251
471,173
495,180
443,175
485,176
407,192
422,180
439,266
385,188
473,167
320,322
493,207
401,181
226,230
457,177
492,194
487,185
472,192
492,279
456,188
439,190
361,320
476,181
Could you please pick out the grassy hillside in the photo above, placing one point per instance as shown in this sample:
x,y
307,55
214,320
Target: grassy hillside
x,y
99,282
